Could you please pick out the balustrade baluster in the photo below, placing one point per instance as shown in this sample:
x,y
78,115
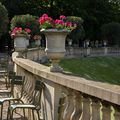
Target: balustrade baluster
x,y
106,109
69,107
86,108
117,112
77,106
61,107
95,109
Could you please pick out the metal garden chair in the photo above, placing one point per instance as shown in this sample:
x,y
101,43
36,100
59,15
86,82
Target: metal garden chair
x,y
9,77
16,81
4,68
34,103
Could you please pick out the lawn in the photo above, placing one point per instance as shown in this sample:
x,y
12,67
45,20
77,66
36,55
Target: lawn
x,y
104,69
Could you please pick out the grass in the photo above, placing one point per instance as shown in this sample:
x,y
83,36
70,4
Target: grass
x,y
104,69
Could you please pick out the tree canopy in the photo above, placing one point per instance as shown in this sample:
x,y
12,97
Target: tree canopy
x,y
95,13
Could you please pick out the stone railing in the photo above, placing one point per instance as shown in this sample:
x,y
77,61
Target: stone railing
x,y
68,97
37,54
34,54
102,51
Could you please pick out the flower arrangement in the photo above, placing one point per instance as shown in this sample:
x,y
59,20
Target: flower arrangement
x,y
75,19
19,31
47,22
24,24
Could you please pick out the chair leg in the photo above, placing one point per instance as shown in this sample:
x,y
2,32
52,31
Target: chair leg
x,y
8,113
24,112
11,115
38,114
1,110
6,83
33,114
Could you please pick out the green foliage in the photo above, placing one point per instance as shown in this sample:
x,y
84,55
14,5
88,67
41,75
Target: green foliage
x,y
75,19
47,25
35,7
3,19
26,21
94,12
111,32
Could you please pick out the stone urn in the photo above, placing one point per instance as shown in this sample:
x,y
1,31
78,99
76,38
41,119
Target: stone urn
x,y
55,47
20,42
37,39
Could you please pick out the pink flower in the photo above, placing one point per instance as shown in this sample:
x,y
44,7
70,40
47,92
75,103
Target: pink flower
x,y
41,20
62,17
47,22
19,30
44,15
75,25
45,18
68,24
16,29
59,22
27,30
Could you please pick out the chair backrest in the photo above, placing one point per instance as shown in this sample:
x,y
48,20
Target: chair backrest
x,y
4,63
17,82
10,75
39,86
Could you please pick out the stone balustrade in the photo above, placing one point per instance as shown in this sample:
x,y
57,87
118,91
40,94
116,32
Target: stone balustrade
x,y
37,54
68,97
101,51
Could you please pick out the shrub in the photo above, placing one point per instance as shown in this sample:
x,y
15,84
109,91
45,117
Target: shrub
x,y
3,19
111,32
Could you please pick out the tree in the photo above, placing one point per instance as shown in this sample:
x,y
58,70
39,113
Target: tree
x,y
94,12
111,32
3,19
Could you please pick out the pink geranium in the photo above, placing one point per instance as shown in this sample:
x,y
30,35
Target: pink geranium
x,y
44,15
47,22
19,30
62,17
59,22
27,30
44,18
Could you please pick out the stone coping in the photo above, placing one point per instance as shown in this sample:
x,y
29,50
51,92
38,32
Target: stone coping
x,y
103,91
36,48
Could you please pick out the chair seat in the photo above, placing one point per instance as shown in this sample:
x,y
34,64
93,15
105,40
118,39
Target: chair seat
x,y
7,99
14,106
5,91
3,71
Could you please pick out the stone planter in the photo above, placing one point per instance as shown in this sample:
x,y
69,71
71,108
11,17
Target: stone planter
x,y
55,47
37,43
27,42
20,42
